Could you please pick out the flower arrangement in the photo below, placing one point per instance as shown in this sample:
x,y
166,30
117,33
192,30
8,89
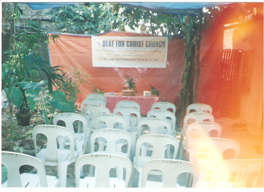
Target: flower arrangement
x,y
128,89
129,84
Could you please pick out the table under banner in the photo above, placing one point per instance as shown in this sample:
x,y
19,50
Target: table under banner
x,y
144,102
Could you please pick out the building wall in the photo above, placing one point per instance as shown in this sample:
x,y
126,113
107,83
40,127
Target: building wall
x,y
249,37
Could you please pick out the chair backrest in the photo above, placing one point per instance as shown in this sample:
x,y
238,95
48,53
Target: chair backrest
x,y
91,111
13,161
164,106
196,131
103,164
158,143
96,95
240,173
129,114
92,101
199,130
163,114
199,107
127,103
196,117
110,121
170,169
52,132
213,149
154,126
69,119
112,136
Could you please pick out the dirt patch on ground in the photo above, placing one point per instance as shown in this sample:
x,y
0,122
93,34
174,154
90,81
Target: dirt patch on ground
x,y
22,134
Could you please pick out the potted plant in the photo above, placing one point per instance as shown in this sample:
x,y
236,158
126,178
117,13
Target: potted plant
x,y
18,74
128,89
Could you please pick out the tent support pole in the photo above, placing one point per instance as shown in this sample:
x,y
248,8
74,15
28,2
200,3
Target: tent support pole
x,y
197,59
190,76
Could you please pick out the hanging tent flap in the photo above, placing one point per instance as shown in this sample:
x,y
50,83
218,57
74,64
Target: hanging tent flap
x,y
74,52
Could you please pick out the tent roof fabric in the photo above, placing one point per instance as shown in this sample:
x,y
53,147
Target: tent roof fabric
x,y
168,8
38,6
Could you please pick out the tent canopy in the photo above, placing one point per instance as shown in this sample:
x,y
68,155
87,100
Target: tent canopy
x,y
168,8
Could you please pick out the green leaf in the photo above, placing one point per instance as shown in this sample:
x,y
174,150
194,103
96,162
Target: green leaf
x,y
6,52
4,174
31,96
59,96
60,102
161,18
16,95
32,85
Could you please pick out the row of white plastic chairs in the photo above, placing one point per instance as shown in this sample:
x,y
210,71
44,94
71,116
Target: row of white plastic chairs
x,y
163,136
103,163
156,164
202,142
61,158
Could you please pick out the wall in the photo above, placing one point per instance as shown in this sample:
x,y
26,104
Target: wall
x,y
250,37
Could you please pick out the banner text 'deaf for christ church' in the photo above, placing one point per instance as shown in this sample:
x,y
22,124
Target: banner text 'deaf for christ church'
x,y
129,52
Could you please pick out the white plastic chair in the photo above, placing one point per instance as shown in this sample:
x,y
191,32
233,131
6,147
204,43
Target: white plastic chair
x,y
132,117
154,126
235,173
196,117
112,136
159,145
96,96
170,169
164,114
210,152
103,164
191,118
80,136
13,161
92,101
110,121
164,106
199,108
196,131
91,111
213,146
51,155
130,114
127,103
116,140
159,126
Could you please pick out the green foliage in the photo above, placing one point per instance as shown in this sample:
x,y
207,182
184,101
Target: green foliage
x,y
16,95
97,90
62,103
94,18
4,174
129,83
26,68
154,91
91,18
31,91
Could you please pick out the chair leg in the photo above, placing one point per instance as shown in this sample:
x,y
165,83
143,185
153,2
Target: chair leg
x,y
62,169
119,173
131,180
180,151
